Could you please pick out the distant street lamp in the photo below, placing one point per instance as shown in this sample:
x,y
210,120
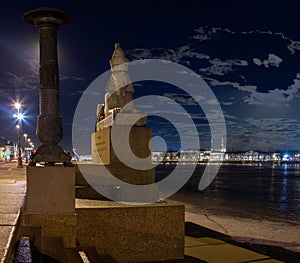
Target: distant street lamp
x,y
18,106
19,147
20,117
25,147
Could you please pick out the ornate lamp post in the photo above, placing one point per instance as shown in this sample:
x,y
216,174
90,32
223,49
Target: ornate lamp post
x,y
49,125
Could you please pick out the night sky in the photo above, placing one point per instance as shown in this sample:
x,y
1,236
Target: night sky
x,y
248,52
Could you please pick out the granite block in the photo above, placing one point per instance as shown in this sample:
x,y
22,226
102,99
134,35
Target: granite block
x,y
50,190
120,171
139,139
122,194
54,225
132,233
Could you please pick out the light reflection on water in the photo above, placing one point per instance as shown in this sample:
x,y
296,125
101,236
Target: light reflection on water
x,y
260,191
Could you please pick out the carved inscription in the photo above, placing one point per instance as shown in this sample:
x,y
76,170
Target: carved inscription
x,y
101,146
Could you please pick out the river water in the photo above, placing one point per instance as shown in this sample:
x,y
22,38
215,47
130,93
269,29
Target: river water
x,y
260,191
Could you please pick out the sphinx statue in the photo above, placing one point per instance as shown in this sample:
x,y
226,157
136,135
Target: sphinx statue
x,y
119,91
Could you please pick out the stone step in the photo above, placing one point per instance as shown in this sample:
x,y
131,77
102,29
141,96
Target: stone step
x,y
73,255
118,193
87,192
93,172
94,257
54,247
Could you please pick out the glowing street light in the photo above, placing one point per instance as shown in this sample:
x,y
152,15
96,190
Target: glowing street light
x,y
18,106
19,117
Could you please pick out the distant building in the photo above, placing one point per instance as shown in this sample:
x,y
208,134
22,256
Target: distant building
x,y
218,155
221,155
158,156
8,150
191,156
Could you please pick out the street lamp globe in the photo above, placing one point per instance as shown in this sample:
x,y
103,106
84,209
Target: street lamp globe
x,y
18,105
20,116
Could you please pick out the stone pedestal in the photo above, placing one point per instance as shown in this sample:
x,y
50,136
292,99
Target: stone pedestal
x,y
50,202
132,233
102,149
104,155
124,173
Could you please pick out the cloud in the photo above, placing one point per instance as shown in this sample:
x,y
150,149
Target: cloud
x,y
239,86
219,67
276,97
34,65
182,99
206,33
226,103
75,78
294,46
24,83
255,133
272,60
159,53
233,71
179,55
212,102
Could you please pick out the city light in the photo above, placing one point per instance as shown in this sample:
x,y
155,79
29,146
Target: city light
x,y
18,106
20,116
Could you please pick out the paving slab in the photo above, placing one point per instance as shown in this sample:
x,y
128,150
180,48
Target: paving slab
x,y
224,253
12,194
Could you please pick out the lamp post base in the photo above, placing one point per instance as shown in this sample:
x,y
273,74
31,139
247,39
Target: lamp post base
x,y
49,154
20,165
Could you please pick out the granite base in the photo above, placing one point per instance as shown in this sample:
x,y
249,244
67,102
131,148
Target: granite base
x,y
132,233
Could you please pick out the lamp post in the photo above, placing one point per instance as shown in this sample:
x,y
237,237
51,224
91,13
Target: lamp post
x,y
49,124
25,146
19,116
19,147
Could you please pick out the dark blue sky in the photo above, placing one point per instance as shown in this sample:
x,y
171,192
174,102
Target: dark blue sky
x,y
247,51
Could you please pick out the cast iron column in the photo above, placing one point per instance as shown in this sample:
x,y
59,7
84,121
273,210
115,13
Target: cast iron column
x,y
20,165
49,124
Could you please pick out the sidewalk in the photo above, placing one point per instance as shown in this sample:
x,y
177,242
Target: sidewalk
x,y
210,246
12,192
277,240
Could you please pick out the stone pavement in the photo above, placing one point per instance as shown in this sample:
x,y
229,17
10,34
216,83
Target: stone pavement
x,y
12,192
210,246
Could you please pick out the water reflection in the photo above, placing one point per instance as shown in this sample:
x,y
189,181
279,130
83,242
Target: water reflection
x,y
266,191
